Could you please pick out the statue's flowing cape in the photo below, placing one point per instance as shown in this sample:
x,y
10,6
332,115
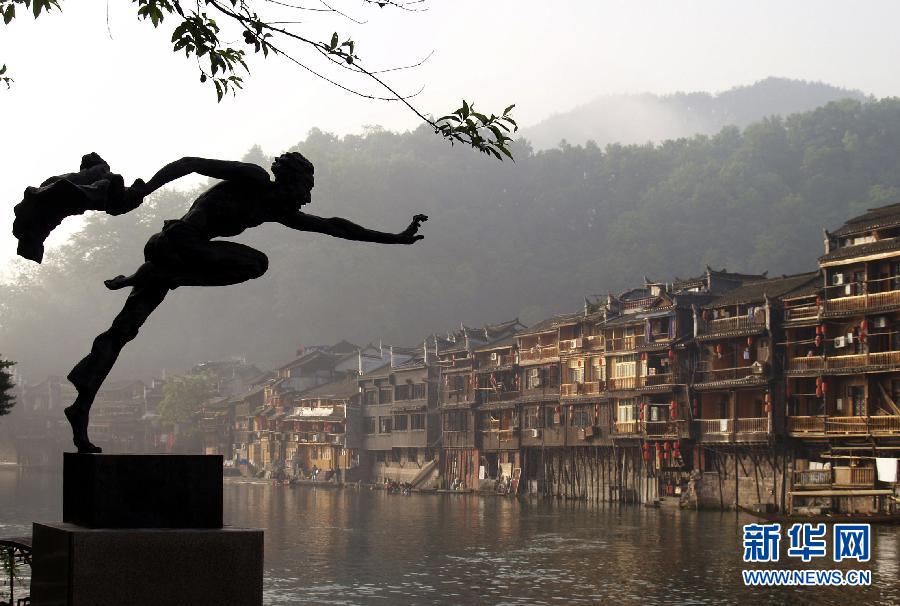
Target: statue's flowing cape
x,y
93,187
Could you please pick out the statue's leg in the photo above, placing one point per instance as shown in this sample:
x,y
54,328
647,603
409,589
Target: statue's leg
x,y
218,263
89,374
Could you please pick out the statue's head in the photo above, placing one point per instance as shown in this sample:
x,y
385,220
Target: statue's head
x,y
294,173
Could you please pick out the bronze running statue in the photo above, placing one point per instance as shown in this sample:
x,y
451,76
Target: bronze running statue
x,y
184,252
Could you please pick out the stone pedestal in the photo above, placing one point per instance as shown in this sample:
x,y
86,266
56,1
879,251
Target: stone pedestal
x,y
144,530
142,491
76,566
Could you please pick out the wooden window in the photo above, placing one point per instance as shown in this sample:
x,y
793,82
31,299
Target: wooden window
x,y
417,421
401,422
418,391
385,424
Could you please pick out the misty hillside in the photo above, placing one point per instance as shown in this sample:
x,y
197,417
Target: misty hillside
x,y
642,118
524,239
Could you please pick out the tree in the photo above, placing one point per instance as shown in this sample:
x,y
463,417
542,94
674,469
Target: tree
x,y
204,31
184,395
7,400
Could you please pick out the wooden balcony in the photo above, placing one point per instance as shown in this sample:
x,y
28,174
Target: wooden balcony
x,y
714,430
594,342
622,383
627,428
751,429
846,426
659,379
537,353
668,430
571,345
806,364
811,479
854,477
883,425
820,426
801,312
721,325
580,389
499,360
728,374
862,303
826,363
806,426
625,343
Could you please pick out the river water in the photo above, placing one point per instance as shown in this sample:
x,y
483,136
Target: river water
x,y
357,546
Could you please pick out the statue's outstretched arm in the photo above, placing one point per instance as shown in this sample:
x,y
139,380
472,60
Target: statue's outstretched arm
x,y
217,169
342,228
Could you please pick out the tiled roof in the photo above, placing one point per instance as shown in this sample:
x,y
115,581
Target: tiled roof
x,y
860,250
756,292
885,216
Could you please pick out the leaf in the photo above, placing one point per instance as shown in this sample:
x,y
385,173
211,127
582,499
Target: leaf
x,y
508,109
334,40
9,14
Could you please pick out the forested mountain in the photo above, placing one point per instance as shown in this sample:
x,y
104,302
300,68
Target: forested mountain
x,y
528,238
642,118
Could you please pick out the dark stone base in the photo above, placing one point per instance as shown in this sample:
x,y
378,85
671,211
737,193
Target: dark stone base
x,y
142,491
76,566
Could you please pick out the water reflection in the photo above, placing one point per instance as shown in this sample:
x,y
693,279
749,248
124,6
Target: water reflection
x,y
363,547
326,546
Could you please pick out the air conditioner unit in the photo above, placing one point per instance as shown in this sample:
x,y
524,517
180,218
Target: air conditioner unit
x,y
880,322
494,356
535,433
837,279
840,342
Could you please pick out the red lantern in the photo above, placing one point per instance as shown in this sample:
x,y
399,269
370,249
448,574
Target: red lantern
x,y
818,391
677,448
646,451
644,356
749,341
671,354
719,349
824,387
818,381
658,447
818,340
705,316
820,330
863,325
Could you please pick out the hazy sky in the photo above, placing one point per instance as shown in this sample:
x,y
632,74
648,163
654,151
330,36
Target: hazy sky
x,y
95,79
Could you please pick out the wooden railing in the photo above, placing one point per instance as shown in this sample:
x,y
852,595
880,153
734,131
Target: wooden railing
x,y
500,360
806,425
628,427
801,312
846,425
708,327
806,363
752,425
889,425
538,353
863,302
821,425
811,478
714,427
659,379
854,476
593,342
625,343
625,383
664,429
579,389
725,374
